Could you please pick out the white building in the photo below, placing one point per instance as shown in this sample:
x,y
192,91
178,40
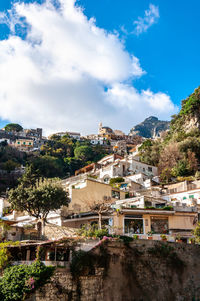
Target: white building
x,y
73,135
187,198
139,167
139,202
116,166
98,140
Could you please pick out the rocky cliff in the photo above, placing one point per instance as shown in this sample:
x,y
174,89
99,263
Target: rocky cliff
x,y
188,119
151,127
139,271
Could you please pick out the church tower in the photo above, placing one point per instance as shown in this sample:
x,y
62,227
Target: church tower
x,y
100,128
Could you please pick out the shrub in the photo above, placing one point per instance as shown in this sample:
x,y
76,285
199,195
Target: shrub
x,y
100,233
116,180
93,231
18,281
4,257
126,239
149,207
168,208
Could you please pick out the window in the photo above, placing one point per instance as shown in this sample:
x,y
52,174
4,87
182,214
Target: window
x,y
115,194
147,203
106,180
133,226
159,225
18,142
160,205
24,143
149,168
29,143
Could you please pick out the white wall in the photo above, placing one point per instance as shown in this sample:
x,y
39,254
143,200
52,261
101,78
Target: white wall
x,y
139,178
183,197
137,167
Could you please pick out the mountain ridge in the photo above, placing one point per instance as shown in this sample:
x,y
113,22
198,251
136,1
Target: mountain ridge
x,y
151,127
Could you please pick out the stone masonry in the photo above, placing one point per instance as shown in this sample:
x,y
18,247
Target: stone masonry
x,y
138,271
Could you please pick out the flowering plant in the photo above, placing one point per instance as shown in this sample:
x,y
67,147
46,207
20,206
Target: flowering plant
x,y
30,283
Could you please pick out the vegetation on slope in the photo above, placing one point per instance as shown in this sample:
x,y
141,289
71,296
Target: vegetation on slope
x,y
59,157
62,155
177,154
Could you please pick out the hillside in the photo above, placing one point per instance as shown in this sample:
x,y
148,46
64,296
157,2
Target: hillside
x,y
178,154
58,157
151,127
188,118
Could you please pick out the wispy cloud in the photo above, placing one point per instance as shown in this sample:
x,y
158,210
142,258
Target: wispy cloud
x,y
151,17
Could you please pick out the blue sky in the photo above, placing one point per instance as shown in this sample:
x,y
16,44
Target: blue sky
x,y
168,63
168,51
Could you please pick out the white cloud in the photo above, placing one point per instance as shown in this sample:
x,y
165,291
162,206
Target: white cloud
x,y
70,74
151,17
137,104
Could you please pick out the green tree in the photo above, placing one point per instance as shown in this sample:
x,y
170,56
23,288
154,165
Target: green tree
x,y
48,166
30,177
10,165
150,151
84,153
39,199
180,169
13,127
72,164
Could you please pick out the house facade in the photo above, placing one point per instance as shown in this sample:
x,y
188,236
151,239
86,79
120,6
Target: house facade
x,y
84,193
24,144
171,223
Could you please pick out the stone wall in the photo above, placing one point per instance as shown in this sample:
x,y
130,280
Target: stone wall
x,y
139,271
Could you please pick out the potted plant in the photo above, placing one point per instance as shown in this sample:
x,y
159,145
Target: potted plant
x,y
163,237
135,236
150,233
192,240
178,238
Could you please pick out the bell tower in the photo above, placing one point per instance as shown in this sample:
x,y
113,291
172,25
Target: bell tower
x,y
100,128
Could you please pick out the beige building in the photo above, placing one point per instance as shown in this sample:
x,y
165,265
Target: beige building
x,y
142,221
119,133
89,191
24,144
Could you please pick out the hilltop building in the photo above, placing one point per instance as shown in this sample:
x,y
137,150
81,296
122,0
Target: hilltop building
x,y
73,135
25,140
